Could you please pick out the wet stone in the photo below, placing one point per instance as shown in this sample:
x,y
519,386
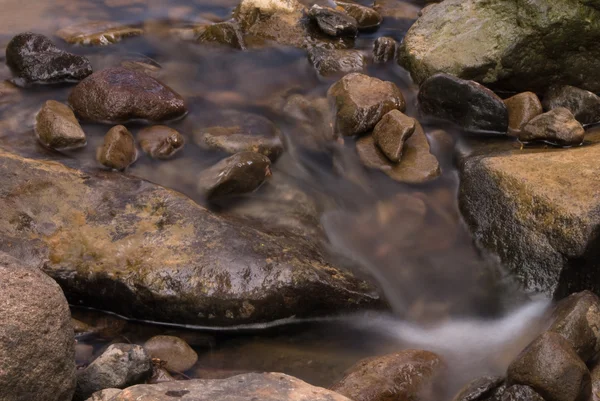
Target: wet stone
x,y
238,174
177,355
118,150
520,393
333,22
104,395
551,367
34,59
577,319
418,165
384,49
558,127
160,141
522,108
392,132
160,375
360,102
117,95
479,389
468,104
336,61
57,128
407,375
97,33
584,105
120,366
366,17
225,33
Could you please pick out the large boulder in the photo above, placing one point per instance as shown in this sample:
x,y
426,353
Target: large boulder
x,y
123,244
37,347
514,44
538,210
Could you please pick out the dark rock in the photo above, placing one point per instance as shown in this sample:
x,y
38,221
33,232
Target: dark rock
x,y
175,352
558,127
244,132
479,389
117,95
247,387
238,174
384,49
418,165
118,150
333,22
225,33
336,61
521,109
584,105
366,17
120,366
97,33
57,128
595,374
551,367
37,348
160,141
392,132
361,101
407,375
577,319
104,395
34,59
466,103
521,393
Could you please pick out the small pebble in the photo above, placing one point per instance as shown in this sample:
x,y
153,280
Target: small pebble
x,y
160,141
118,150
56,127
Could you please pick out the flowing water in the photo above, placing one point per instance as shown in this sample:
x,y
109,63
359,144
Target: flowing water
x,y
444,295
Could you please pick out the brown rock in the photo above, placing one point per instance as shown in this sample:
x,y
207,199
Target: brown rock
x,y
117,95
418,164
384,49
577,319
557,126
97,33
551,367
407,375
521,109
225,33
57,128
478,389
336,61
595,375
392,132
118,150
366,17
399,10
361,101
175,352
333,22
160,141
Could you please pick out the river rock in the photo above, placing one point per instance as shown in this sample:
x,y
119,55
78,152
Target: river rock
x,y
466,103
366,17
336,61
245,132
57,128
34,59
577,319
537,211
511,44
175,352
225,33
595,374
360,102
521,393
118,150
392,132
104,395
37,348
384,49
333,22
584,105
122,244
120,366
160,141
97,33
558,127
521,109
479,389
247,387
551,367
238,174
117,95
407,375
160,375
